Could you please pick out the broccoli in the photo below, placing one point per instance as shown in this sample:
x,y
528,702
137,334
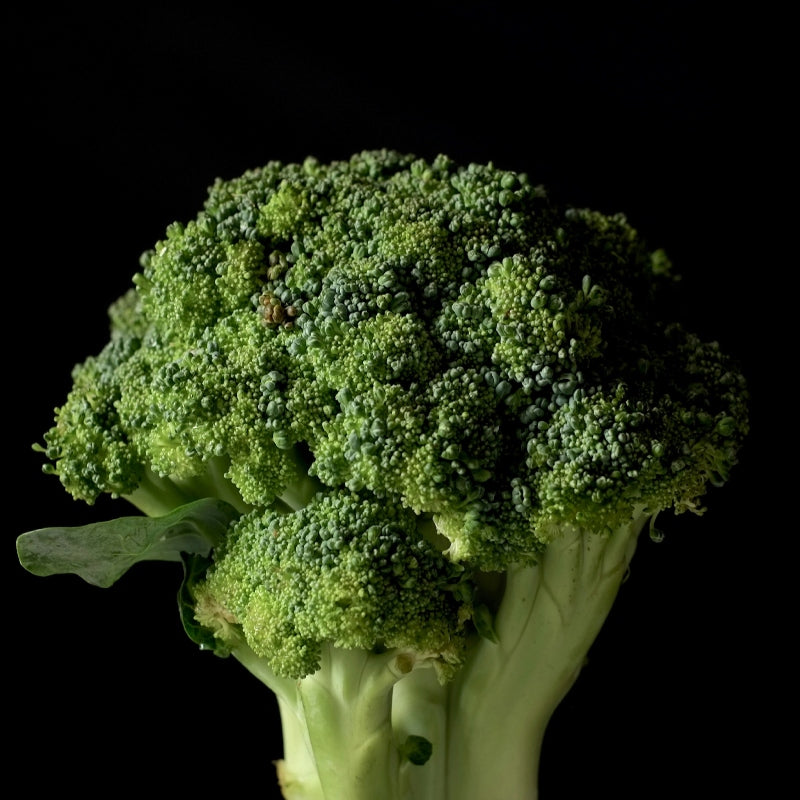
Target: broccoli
x,y
402,422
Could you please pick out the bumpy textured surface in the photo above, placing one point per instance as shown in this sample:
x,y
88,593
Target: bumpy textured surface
x,y
440,342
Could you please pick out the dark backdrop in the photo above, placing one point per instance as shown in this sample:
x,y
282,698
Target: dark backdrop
x,y
116,122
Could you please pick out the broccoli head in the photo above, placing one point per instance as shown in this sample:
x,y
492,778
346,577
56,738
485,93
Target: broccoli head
x,y
424,390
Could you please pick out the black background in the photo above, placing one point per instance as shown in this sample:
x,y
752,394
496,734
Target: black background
x,y
116,122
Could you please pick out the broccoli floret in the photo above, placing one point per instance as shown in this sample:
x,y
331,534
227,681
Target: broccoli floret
x,y
416,415
343,569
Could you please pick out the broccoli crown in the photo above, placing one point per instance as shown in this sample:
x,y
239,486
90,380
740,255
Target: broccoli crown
x,y
442,343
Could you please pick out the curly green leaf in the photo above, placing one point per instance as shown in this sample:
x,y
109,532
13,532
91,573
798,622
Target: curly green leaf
x,y
101,552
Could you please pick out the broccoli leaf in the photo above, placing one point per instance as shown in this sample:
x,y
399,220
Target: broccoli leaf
x,y
194,567
102,552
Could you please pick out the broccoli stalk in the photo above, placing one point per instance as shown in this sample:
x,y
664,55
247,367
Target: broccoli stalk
x,y
547,620
403,423
337,727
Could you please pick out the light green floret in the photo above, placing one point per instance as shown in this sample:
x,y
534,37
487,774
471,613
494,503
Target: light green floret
x,y
345,569
87,447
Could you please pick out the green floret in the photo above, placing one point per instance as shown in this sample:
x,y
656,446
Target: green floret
x,y
344,569
369,442
387,348
88,447
403,420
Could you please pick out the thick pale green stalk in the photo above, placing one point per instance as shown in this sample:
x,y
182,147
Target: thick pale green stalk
x,y
340,741
499,705
297,770
419,708
346,707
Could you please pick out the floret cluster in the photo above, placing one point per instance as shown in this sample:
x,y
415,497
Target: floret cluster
x,y
400,372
